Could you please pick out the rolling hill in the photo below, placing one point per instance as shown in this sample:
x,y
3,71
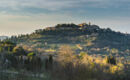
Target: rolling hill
x,y
81,37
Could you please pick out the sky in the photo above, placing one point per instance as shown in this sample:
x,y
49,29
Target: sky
x,y
25,16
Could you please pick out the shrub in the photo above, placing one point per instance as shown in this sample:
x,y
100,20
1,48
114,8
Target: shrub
x,y
111,60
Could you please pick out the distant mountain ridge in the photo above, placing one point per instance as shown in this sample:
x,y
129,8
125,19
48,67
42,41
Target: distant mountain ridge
x,y
3,37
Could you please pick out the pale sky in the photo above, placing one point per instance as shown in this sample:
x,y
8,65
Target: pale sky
x,y
25,16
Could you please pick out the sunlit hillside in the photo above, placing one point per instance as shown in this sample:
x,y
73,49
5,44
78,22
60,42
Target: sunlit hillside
x,y
83,37
66,52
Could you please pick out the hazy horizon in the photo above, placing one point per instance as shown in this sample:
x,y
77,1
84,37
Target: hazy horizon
x,y
25,16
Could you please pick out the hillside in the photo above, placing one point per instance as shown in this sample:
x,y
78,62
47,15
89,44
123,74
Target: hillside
x,y
82,37
66,52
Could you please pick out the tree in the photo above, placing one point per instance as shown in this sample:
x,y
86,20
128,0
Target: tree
x,y
49,62
65,53
114,51
7,45
111,60
18,50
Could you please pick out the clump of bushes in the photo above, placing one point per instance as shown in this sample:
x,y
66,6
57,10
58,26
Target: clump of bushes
x,y
111,60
